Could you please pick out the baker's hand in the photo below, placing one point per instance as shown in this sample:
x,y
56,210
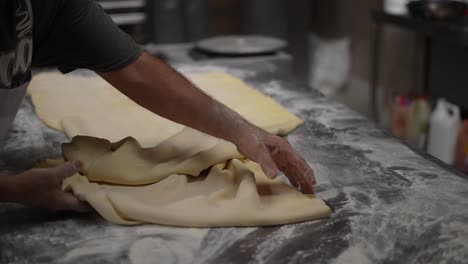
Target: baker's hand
x,y
43,188
274,153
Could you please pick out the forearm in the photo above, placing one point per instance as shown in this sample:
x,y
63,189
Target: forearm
x,y
156,86
162,90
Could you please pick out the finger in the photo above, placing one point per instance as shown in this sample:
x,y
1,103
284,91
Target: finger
x,y
307,187
268,165
67,169
71,202
310,175
307,180
293,182
294,167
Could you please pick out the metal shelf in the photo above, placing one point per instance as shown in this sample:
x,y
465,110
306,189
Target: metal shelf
x,y
449,31
112,5
128,18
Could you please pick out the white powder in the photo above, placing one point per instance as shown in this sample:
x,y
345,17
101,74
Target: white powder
x,y
156,249
275,89
33,130
141,244
191,68
353,254
219,241
272,242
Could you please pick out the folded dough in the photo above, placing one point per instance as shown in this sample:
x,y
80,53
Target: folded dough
x,y
125,162
157,171
233,192
92,107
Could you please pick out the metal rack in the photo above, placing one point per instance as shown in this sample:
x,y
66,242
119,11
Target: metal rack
x,y
129,15
447,32
125,12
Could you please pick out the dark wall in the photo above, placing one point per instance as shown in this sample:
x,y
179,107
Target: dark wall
x,y
449,72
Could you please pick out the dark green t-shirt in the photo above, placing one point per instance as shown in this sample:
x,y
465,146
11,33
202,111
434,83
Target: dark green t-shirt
x,y
71,34
67,34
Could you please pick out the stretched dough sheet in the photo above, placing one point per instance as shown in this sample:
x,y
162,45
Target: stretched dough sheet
x,y
157,171
92,107
233,192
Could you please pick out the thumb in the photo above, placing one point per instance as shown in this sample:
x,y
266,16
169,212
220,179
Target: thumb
x,y
67,169
268,165
73,203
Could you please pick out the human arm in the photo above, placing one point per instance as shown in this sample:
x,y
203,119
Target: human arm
x,y
42,188
156,86
83,36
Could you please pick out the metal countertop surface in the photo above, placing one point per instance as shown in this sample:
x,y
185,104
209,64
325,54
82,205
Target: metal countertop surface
x,y
389,203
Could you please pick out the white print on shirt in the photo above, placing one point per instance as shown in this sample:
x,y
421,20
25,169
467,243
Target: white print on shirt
x,y
18,62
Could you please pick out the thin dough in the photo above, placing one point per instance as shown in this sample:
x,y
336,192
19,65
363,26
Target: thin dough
x,y
92,107
232,193
160,172
126,163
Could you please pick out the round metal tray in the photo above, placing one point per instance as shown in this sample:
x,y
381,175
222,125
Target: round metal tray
x,y
241,45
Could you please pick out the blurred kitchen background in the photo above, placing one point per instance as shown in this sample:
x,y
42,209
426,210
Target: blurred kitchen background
x,y
375,56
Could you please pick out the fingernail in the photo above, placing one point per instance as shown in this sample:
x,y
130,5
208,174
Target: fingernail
x,y
272,174
78,164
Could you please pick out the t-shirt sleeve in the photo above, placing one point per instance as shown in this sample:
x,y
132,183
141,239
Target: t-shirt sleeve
x,y
79,34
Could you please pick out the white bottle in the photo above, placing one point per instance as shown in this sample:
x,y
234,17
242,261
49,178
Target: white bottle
x,y
445,123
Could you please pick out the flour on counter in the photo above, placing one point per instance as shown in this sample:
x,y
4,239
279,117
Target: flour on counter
x,y
139,244
29,140
353,254
271,243
162,250
214,243
187,68
388,204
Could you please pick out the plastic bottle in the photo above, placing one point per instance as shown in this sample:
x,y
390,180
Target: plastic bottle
x,y
461,156
417,124
399,111
445,123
